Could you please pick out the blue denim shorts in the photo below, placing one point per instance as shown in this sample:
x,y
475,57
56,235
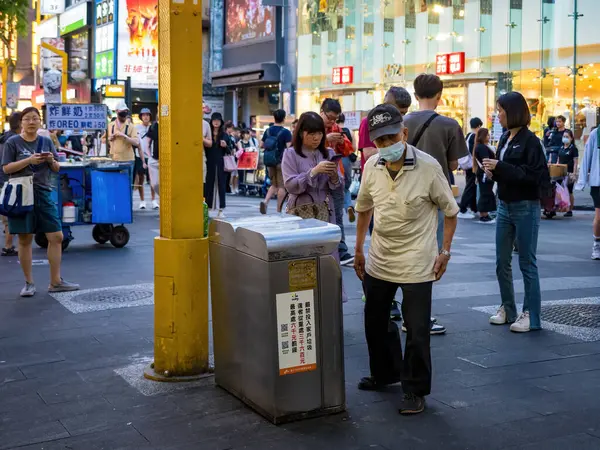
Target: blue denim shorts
x,y
43,219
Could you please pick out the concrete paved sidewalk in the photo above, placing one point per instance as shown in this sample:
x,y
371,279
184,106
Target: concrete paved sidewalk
x,y
71,366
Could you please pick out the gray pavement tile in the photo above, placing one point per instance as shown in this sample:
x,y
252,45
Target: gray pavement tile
x,y
464,397
580,441
28,354
241,425
567,382
537,429
486,413
577,349
104,420
9,375
72,390
19,404
549,403
116,438
23,434
511,358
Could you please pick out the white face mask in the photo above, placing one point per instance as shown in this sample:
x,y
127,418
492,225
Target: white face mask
x,y
394,152
566,140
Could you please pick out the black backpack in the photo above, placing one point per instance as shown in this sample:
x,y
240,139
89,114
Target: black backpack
x,y
153,135
273,152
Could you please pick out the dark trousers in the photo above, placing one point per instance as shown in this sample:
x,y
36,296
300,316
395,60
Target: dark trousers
x,y
215,169
385,351
469,197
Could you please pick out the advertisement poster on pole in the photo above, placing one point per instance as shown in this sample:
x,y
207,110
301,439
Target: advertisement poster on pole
x,y
296,319
138,43
212,105
51,70
12,94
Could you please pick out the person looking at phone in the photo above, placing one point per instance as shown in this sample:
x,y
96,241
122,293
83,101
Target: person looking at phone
x,y
123,138
15,129
335,139
404,187
26,155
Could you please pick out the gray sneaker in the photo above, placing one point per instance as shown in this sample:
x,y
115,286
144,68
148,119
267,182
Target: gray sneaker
x,y
64,286
28,290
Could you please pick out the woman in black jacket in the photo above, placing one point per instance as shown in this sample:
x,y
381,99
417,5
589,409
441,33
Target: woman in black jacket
x,y
486,200
215,164
521,172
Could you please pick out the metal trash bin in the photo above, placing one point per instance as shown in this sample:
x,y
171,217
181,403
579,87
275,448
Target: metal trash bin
x,y
276,295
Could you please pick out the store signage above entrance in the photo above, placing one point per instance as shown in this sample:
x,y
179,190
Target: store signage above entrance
x,y
114,90
50,7
342,75
73,19
450,63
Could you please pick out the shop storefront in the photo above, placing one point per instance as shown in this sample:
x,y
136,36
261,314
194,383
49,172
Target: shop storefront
x,y
497,46
75,28
252,61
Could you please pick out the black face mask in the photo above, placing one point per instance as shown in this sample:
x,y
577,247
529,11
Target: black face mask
x,y
122,114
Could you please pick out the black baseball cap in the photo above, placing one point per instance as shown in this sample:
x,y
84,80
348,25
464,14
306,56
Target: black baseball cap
x,y
384,120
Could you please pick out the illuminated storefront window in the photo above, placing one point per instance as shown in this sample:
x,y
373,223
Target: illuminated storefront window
x,y
547,49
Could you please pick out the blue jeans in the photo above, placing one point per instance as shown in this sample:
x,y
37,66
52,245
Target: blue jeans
x,y
520,220
338,203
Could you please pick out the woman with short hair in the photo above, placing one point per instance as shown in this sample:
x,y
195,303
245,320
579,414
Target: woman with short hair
x,y
27,155
520,170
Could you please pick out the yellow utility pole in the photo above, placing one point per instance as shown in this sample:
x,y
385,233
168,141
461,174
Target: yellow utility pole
x,y
181,251
65,68
4,66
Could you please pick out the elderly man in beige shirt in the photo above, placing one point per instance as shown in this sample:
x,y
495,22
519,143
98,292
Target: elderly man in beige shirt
x,y
404,188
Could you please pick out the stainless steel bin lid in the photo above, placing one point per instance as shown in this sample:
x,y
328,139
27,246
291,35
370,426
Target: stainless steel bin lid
x,y
272,238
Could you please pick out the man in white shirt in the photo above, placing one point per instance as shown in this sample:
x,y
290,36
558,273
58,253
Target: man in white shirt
x,y
404,187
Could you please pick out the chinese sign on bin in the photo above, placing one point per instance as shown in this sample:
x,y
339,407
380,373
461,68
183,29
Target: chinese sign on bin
x,y
296,319
76,117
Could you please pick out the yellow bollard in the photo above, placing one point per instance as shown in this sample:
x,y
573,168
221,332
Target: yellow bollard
x,y
181,251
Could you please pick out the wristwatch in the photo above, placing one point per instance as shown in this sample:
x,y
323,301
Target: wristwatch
x,y
445,253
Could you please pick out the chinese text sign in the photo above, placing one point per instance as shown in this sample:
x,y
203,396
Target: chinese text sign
x,y
76,117
296,331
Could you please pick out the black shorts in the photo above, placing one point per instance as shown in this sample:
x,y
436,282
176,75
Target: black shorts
x,y
595,193
139,167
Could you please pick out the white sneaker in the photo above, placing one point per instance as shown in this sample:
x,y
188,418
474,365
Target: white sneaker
x,y
142,205
220,214
466,215
596,251
522,325
155,204
499,318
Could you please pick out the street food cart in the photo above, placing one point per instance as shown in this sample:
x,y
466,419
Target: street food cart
x,y
90,190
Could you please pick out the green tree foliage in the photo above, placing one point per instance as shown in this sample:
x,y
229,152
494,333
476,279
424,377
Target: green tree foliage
x,y
13,21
